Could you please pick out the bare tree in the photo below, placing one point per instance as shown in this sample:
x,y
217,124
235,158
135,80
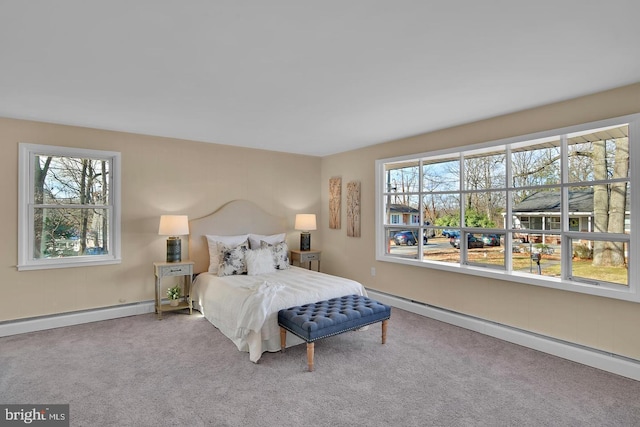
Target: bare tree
x,y
41,169
62,182
485,173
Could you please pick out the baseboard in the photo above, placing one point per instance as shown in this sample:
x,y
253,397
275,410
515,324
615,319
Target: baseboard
x,y
15,327
609,362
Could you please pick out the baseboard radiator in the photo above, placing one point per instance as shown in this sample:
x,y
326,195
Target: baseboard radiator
x,y
609,362
42,323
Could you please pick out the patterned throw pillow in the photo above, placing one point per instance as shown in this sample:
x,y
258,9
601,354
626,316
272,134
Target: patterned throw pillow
x,y
232,261
255,240
280,254
217,244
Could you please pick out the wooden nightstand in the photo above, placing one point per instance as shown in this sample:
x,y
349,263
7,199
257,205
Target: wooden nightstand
x,y
167,269
305,256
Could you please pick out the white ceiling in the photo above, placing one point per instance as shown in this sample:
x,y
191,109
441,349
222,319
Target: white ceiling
x,y
306,77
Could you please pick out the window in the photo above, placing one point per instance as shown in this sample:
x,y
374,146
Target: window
x,y
69,207
554,209
552,223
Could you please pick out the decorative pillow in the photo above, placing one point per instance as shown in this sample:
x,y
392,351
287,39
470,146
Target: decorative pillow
x,y
280,253
259,261
256,239
217,244
232,261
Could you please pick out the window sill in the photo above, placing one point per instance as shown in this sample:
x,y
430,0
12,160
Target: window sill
x,y
621,293
58,263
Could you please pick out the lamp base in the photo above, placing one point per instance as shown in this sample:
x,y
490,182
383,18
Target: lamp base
x,y
305,241
174,249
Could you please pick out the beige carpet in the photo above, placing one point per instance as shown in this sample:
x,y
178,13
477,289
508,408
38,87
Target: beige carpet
x,y
181,371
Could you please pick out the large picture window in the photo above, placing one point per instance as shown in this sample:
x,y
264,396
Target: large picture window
x,y
554,209
69,207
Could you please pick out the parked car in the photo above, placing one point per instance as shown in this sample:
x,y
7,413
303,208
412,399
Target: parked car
x,y
407,238
450,233
491,239
404,238
472,242
94,251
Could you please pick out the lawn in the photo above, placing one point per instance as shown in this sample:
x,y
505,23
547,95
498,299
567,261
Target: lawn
x,y
585,268
549,264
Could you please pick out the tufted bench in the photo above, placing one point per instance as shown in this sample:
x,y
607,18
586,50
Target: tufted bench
x,y
322,319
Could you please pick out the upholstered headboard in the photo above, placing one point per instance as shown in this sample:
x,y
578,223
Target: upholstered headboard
x,y
236,217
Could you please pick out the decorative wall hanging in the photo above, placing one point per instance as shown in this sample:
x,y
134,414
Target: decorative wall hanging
x,y
353,209
335,194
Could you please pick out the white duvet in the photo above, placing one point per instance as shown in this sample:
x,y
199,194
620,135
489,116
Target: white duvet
x,y
245,308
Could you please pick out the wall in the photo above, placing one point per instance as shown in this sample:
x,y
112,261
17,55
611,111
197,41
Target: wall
x,y
159,176
606,324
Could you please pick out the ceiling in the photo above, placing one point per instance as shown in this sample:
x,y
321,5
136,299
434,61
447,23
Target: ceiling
x,y
313,78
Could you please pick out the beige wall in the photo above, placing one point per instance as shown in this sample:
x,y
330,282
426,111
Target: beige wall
x,y
606,324
163,175
159,176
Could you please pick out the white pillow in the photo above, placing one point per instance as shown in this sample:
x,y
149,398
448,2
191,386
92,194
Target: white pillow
x,y
255,239
217,244
259,261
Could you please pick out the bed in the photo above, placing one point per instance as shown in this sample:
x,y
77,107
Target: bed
x,y
244,304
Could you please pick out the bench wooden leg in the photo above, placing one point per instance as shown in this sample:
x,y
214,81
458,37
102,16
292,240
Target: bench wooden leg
x,y
384,331
283,339
310,349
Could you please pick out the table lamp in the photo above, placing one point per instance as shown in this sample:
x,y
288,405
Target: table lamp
x,y
174,226
305,223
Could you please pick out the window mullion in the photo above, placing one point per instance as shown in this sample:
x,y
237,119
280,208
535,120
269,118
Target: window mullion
x,y
463,204
508,242
634,216
567,250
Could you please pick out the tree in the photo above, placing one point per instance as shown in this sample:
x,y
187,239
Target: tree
x,y
472,218
609,201
41,169
537,165
66,188
484,173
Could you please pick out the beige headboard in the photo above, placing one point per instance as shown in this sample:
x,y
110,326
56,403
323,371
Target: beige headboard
x,y
236,217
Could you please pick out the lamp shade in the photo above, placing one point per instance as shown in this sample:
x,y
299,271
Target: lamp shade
x,y
305,222
173,225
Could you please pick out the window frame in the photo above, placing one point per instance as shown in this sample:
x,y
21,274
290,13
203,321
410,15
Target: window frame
x,y
26,177
629,292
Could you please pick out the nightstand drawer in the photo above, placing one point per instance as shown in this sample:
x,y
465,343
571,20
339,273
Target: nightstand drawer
x,y
177,270
306,257
309,257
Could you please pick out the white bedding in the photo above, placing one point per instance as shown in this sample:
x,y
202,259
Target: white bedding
x,y
245,308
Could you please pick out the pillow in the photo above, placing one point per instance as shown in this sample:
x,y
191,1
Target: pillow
x,y
259,261
232,261
280,253
255,239
216,245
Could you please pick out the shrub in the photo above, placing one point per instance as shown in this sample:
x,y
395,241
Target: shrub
x,y
582,252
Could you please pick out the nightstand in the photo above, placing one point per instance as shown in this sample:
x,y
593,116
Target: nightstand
x,y
305,256
169,269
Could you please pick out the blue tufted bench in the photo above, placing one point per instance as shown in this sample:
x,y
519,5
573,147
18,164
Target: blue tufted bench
x,y
322,319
